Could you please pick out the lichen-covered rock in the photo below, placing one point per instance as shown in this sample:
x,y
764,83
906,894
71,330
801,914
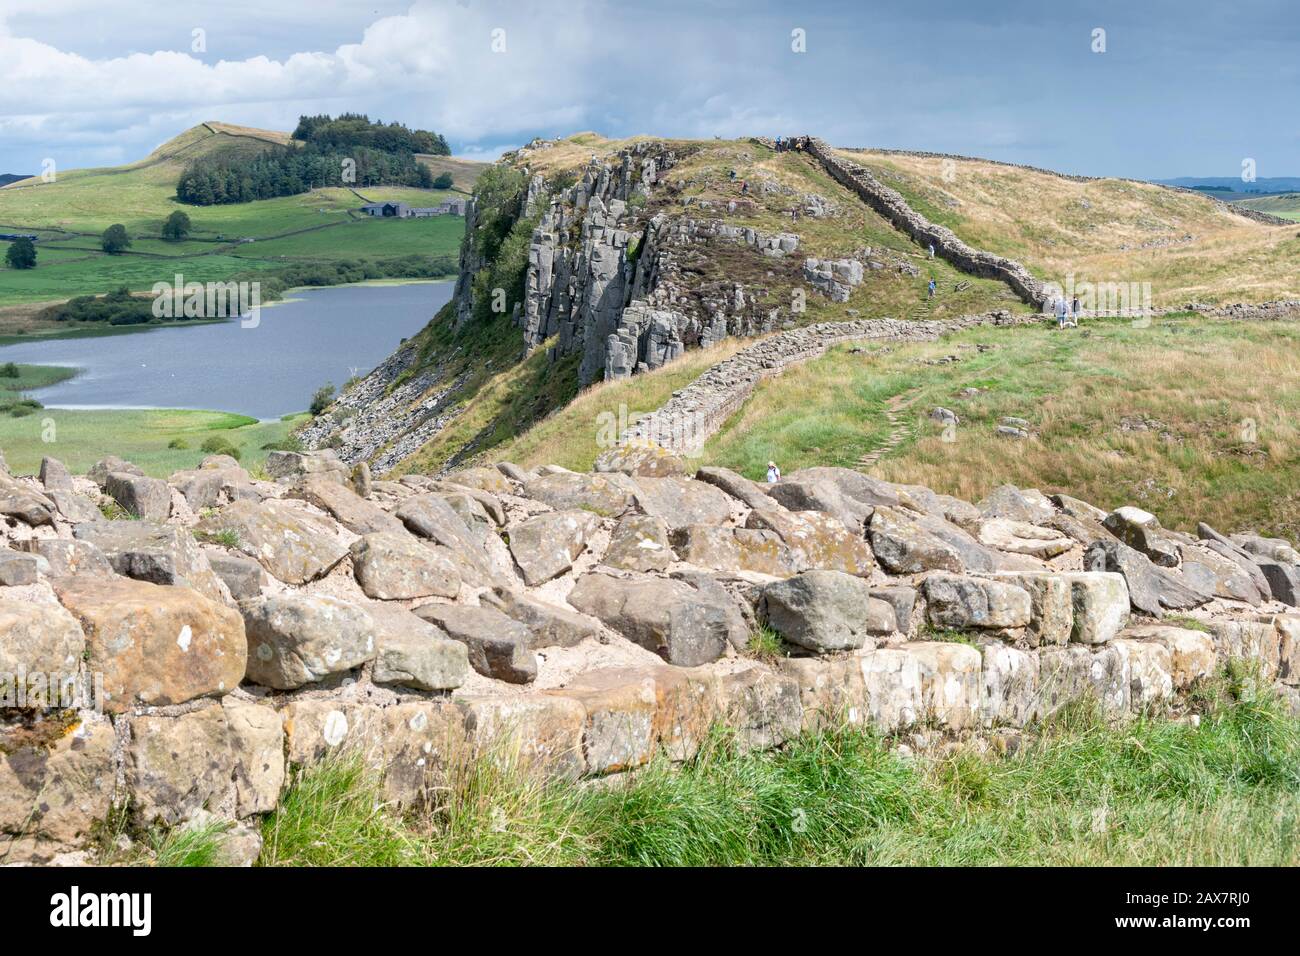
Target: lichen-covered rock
x,y
179,765
643,459
296,464
822,496
964,602
154,644
109,464
736,549
242,576
539,733
950,682
56,785
1008,686
65,556
826,611
431,516
296,639
1018,537
154,552
1288,633
891,680
486,479
1075,672
752,493
546,546
498,645
144,497
547,624
1152,589
54,475
818,541
683,624
1051,612
831,690
36,638
620,708
903,547
1192,656
396,566
257,742
411,652
1151,680
293,545
681,501
609,496
639,543
318,728
1141,531
345,506
1250,641
421,741
761,708
1100,602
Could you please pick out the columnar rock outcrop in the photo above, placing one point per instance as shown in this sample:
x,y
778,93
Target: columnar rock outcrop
x,y
578,623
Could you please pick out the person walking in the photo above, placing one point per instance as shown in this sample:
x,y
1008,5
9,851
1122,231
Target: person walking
x,y
773,473
930,290
1060,312
1074,312
932,250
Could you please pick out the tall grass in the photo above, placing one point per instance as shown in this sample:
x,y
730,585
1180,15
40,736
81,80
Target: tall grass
x,y
1080,791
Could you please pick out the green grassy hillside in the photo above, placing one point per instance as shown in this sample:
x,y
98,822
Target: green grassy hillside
x,y
1287,206
70,213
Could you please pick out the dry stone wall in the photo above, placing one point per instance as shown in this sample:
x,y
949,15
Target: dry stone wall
x,y
575,624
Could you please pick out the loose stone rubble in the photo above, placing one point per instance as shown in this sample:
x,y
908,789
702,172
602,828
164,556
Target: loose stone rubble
x,y
576,624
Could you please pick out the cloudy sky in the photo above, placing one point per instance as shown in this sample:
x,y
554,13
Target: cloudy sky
x,y
1182,88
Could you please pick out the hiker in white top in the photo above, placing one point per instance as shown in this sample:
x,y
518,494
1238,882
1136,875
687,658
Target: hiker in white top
x,y
1060,312
773,473
932,250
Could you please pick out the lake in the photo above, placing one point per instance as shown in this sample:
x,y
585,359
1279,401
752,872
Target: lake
x,y
320,335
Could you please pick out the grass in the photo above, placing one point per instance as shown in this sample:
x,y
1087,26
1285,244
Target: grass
x,y
1190,419
34,376
1102,230
1078,791
766,645
70,213
141,436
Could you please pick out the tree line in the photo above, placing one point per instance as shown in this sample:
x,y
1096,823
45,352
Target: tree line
x,y
348,151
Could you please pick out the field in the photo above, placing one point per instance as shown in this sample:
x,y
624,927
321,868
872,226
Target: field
x,y
1287,205
81,438
1189,248
1078,792
70,213
1190,419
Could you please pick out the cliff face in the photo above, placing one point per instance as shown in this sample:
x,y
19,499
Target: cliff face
x,y
617,261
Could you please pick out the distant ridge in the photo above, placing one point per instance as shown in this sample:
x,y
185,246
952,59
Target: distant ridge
x,y
7,178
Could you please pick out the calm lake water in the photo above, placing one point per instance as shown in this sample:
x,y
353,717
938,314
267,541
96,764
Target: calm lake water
x,y
323,335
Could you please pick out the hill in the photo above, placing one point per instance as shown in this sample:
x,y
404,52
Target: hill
x,y
654,258
1286,205
261,237
1189,247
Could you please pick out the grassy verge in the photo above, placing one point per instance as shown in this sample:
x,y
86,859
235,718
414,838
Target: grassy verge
x,y
15,377
1187,418
1079,792
159,441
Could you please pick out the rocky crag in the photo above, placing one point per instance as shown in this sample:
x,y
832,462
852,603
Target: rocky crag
x,y
226,629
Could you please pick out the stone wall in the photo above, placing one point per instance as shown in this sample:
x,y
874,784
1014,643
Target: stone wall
x,y
1243,211
572,624
687,420
890,204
